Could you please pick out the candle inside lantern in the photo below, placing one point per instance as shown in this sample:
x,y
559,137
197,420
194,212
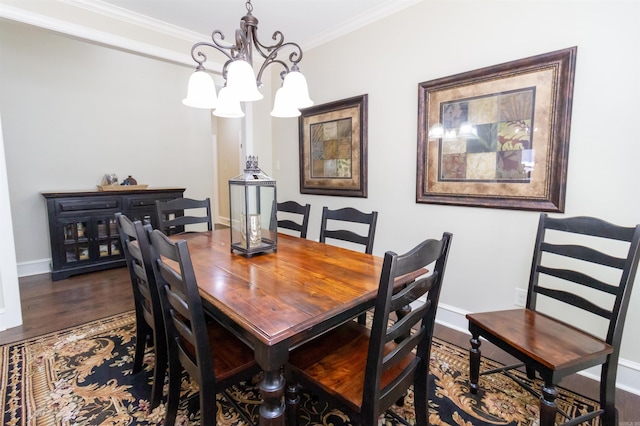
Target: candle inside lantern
x,y
255,231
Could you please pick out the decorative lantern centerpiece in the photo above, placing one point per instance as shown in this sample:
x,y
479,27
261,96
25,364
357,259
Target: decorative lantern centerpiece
x,y
252,197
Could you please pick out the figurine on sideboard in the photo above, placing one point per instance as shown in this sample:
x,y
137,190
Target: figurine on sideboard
x,y
129,181
110,179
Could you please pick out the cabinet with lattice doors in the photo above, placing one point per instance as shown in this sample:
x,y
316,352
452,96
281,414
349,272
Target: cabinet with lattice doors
x,y
83,229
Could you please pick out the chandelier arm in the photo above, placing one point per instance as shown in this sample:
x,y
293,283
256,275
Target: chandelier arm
x,y
200,57
265,64
217,37
264,50
243,46
294,57
271,51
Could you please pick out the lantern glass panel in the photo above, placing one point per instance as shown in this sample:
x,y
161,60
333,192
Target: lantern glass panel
x,y
253,213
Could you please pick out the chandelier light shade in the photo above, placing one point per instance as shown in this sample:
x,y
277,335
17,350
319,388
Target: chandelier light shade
x,y
201,92
283,105
242,84
228,105
296,84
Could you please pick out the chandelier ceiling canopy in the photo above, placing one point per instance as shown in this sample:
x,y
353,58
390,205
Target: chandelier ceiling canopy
x,y
242,84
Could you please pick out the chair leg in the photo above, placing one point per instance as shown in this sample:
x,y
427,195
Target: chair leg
x,y
421,397
474,364
159,371
141,342
362,319
208,406
608,394
173,397
531,373
293,402
548,406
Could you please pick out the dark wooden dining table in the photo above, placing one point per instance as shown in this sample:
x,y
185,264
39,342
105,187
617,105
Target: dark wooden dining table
x,y
277,300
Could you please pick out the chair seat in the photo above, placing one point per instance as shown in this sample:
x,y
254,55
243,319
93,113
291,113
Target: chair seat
x,y
226,363
555,345
336,362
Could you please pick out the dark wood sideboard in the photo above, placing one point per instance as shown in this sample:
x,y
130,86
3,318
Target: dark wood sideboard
x,y
83,231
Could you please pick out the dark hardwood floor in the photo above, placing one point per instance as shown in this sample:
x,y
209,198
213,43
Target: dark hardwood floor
x,y
55,305
49,306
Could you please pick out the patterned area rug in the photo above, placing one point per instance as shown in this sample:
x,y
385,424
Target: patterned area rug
x,y
82,376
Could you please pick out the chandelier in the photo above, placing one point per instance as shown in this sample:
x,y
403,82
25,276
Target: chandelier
x,y
241,82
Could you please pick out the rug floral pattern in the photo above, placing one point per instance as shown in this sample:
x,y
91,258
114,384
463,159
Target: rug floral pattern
x,y
83,376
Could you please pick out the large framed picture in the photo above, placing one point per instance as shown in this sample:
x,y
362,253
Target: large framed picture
x,y
333,148
498,136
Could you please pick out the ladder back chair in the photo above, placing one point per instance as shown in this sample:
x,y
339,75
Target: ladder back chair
x,y
365,371
213,356
349,214
172,215
149,321
586,267
294,208
345,215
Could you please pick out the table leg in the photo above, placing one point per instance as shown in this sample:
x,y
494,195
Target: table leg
x,y
548,406
271,359
272,407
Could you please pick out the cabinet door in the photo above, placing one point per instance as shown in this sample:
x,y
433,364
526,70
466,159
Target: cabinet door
x,y
107,238
88,239
75,241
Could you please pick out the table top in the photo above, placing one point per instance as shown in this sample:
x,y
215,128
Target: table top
x,y
281,295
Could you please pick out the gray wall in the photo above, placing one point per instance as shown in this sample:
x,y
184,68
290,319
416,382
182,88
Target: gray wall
x,y
73,111
492,248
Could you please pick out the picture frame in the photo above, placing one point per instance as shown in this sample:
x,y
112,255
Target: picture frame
x,y
498,136
333,148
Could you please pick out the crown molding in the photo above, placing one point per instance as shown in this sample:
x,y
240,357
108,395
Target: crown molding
x,y
133,18
362,20
99,37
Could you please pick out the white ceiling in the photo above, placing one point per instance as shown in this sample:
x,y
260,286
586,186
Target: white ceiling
x,y
306,22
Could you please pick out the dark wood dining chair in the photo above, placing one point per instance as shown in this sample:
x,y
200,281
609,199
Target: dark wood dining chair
x,y
586,267
173,215
149,320
348,214
292,208
365,371
213,356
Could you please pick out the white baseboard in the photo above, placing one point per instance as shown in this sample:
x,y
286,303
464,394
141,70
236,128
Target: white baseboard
x,y
2,314
34,267
628,378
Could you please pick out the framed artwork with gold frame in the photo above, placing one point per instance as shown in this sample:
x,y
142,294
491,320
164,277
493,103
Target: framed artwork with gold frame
x,y
333,148
498,136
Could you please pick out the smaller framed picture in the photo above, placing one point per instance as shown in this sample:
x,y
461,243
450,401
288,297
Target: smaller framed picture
x,y
333,148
